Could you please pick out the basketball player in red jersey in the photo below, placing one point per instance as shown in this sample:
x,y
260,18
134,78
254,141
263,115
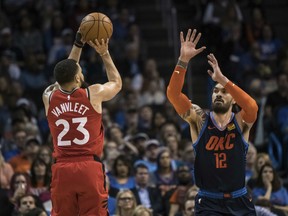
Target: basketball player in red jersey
x,y
219,137
74,116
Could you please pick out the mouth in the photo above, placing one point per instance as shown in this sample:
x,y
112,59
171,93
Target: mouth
x,y
218,101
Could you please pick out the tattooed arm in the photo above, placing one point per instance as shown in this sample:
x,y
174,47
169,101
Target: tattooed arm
x,y
195,117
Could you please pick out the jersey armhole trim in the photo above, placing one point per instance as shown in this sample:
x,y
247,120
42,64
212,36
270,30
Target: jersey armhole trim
x,y
202,131
88,93
50,97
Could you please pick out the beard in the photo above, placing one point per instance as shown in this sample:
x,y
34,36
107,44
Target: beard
x,y
220,108
185,180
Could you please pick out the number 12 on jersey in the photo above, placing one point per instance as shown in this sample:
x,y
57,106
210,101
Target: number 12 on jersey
x,y
220,160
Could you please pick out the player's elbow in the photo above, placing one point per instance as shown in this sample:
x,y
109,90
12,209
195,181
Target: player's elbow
x,y
118,86
171,95
251,113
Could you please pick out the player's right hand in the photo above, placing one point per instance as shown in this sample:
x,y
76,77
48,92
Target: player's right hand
x,y
101,47
188,45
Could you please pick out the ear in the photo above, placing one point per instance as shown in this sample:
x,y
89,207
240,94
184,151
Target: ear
x,y
77,78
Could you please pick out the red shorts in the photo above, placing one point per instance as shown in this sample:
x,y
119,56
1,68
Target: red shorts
x,y
78,187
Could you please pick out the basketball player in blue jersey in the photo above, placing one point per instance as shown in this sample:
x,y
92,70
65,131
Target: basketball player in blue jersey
x,y
219,137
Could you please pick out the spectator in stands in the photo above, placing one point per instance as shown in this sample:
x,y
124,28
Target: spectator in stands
x,y
188,210
146,195
45,153
131,122
23,161
61,49
111,152
27,207
159,118
153,95
254,25
269,187
261,159
142,211
188,155
151,72
121,176
40,179
7,44
132,66
16,146
270,45
139,141
27,36
20,185
276,113
126,203
9,65
258,135
150,158
164,177
145,119
114,133
189,203
250,161
177,198
169,128
173,145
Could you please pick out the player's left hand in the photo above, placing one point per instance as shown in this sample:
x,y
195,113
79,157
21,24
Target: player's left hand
x,y
101,47
216,75
79,40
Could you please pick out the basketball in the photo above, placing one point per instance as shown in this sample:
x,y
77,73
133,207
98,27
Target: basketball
x,y
96,26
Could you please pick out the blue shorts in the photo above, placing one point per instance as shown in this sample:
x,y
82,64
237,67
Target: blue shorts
x,y
242,205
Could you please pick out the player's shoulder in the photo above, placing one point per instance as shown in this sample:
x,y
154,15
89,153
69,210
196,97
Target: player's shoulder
x,y
95,88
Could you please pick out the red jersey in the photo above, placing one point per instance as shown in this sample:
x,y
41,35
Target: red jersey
x,y
75,126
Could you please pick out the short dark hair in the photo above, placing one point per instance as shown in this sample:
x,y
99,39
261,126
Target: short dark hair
x,y
65,71
140,166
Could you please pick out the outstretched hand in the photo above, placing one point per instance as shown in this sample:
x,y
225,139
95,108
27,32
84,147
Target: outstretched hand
x,y
216,75
188,46
100,47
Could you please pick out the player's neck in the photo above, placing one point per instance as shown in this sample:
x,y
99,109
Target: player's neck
x,y
69,87
222,119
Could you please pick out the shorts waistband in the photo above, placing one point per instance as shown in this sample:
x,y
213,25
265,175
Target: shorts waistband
x,y
77,158
220,195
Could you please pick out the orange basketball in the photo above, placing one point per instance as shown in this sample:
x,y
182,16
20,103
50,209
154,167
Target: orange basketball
x,y
96,26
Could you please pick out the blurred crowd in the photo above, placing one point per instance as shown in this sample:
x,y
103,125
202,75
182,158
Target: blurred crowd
x,y
148,154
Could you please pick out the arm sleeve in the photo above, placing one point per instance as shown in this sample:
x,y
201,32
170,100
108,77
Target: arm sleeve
x,y
247,103
179,100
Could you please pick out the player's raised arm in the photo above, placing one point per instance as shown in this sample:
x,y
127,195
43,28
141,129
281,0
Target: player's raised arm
x,y
77,47
75,54
179,100
248,104
108,90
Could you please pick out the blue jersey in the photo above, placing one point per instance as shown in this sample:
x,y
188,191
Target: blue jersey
x,y
220,157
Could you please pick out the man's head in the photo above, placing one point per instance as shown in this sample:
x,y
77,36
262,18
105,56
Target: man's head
x,y
282,82
189,207
26,203
222,101
152,147
141,175
184,175
68,71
